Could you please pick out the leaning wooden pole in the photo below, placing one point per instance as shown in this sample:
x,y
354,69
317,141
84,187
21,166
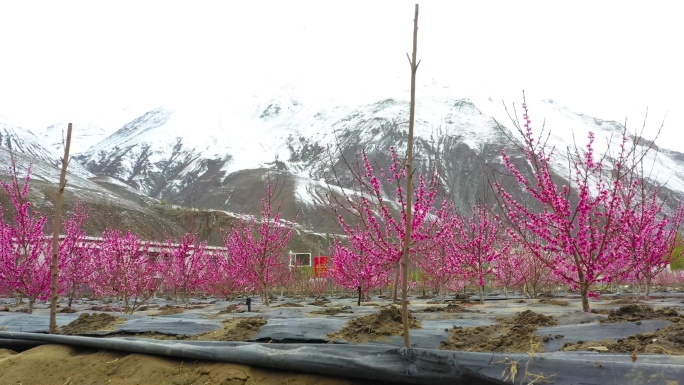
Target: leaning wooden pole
x,y
54,264
409,188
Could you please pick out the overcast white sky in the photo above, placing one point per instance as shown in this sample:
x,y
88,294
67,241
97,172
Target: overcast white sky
x,y
610,59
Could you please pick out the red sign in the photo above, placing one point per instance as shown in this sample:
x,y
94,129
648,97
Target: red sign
x,y
320,266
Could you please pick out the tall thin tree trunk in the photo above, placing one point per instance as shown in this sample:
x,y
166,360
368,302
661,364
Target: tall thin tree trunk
x,y
54,263
395,289
266,294
584,293
409,188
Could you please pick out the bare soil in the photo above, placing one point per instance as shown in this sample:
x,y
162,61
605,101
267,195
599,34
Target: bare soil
x,y
88,322
230,309
289,304
513,334
106,308
554,302
174,309
668,340
528,317
375,327
320,302
450,308
64,365
234,329
169,310
639,312
333,310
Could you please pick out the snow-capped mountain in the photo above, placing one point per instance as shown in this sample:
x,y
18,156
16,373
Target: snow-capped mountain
x,y
91,128
22,141
19,140
218,155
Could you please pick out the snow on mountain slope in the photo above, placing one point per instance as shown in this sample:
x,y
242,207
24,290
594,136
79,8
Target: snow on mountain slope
x,y
185,152
566,128
22,141
89,128
81,187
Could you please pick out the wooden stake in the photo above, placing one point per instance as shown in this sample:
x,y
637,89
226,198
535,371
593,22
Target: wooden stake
x,y
409,188
54,264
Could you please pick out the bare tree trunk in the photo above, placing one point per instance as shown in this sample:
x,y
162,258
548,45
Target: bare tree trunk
x,y
395,289
266,293
409,188
584,293
54,264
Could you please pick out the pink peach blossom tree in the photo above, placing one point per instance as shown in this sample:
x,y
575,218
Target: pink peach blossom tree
x,y
576,229
257,248
377,207
24,249
219,277
75,255
649,234
477,242
125,269
185,266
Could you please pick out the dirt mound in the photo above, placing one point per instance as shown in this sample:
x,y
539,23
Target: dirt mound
x,y
106,308
169,310
334,310
320,302
528,317
150,335
172,309
289,304
386,322
624,301
234,329
87,322
230,309
57,364
668,340
450,308
513,334
6,353
637,312
495,338
554,302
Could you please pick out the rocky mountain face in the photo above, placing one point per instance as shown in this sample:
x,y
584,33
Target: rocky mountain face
x,y
219,158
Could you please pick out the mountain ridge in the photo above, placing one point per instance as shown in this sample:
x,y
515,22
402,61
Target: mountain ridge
x,y
214,157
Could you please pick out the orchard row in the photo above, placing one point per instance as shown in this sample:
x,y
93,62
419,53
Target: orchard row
x,y
606,224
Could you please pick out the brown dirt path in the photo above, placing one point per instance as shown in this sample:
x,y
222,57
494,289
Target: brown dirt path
x,y
63,365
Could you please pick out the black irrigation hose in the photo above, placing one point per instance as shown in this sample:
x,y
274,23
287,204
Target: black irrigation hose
x,y
392,364
368,362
